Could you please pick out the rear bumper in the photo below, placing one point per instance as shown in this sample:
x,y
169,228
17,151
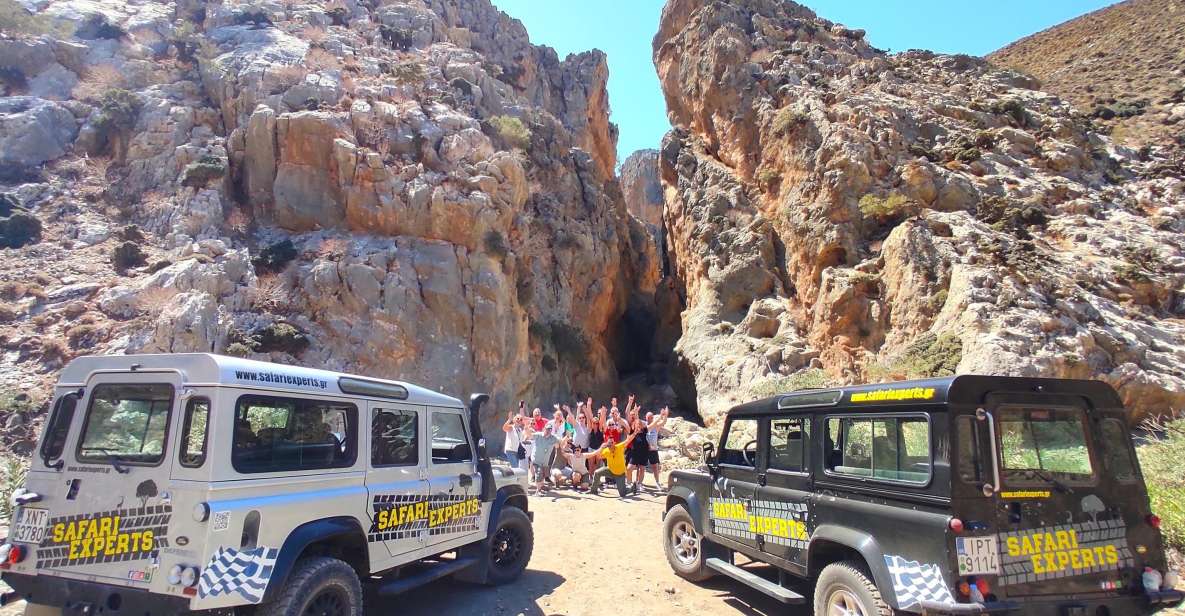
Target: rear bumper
x,y
1136,604
73,596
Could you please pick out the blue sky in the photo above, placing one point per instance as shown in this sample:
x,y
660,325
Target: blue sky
x,y
624,29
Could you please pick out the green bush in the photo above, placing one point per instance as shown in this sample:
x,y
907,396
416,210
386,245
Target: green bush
x,y
810,378
496,244
968,155
512,131
127,255
1160,460
408,73
207,169
930,356
891,206
238,349
1012,108
13,470
280,336
275,256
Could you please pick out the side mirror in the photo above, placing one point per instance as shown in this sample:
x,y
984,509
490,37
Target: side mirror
x,y
710,457
460,453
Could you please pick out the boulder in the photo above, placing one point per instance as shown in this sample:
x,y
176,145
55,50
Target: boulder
x,y
34,130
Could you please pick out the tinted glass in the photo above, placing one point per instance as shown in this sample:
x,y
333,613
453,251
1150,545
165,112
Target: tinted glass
x,y
282,434
740,448
886,448
787,444
967,456
126,423
59,426
193,435
1036,442
394,438
1117,450
448,431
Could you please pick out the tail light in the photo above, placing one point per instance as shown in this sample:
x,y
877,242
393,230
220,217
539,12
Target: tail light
x,y
964,589
1153,520
984,588
15,555
956,525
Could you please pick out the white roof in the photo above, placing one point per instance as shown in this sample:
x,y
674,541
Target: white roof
x,y
210,369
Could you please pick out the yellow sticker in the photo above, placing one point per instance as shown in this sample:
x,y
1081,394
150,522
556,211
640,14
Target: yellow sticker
x,y
894,395
1025,494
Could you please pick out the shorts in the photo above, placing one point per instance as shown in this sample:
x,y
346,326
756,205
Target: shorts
x,y
637,458
542,471
652,457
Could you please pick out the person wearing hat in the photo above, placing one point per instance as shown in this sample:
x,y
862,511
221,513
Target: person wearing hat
x,y
544,445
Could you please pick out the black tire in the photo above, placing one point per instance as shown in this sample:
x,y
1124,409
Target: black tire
x,y
684,546
849,581
318,586
511,544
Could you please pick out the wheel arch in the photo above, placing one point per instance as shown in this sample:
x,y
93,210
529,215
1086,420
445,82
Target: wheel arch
x,y
339,537
830,543
682,495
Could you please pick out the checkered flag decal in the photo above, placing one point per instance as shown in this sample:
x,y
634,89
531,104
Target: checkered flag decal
x,y
243,573
914,582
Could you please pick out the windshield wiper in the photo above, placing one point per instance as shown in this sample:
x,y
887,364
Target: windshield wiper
x,y
113,458
1048,476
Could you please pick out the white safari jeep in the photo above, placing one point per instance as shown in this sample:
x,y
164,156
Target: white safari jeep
x,y
169,483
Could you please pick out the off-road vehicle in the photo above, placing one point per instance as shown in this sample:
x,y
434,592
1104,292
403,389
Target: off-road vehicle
x,y
169,483
963,495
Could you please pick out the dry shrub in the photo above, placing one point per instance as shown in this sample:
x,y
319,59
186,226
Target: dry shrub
x,y
97,168
8,313
238,221
13,290
75,309
85,336
321,60
270,293
332,248
97,81
291,74
154,300
54,349
315,35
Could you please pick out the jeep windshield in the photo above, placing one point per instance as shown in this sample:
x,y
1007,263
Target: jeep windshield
x,y
1044,446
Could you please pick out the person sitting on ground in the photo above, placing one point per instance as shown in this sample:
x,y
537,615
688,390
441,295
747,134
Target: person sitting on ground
x,y
614,455
545,443
577,463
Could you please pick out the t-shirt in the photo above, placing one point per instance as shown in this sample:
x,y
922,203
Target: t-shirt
x,y
577,462
513,439
652,439
613,433
544,443
614,458
596,438
538,423
640,447
580,435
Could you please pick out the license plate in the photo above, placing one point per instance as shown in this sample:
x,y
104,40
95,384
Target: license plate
x,y
978,555
30,526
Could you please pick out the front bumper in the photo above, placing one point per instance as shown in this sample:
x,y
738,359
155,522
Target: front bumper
x,y
1147,603
78,597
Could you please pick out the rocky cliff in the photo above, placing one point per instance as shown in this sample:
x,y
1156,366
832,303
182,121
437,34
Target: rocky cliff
x,y
838,213
400,188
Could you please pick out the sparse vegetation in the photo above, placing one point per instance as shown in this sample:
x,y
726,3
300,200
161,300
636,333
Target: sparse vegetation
x,y
15,19
768,177
883,208
270,293
787,120
809,378
932,355
1160,459
495,244
97,81
13,470
1012,108
280,336
512,131
407,73
117,113
205,170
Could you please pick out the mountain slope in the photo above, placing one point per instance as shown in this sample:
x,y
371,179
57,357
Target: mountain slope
x,y
1123,60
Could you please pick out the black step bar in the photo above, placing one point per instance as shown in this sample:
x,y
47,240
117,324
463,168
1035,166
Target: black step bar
x,y
754,581
436,571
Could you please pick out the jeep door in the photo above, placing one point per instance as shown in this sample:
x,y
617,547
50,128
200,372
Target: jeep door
x,y
396,480
734,485
454,485
103,479
782,513
1070,510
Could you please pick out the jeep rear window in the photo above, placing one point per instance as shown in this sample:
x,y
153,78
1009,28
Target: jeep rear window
x,y
274,434
59,426
895,449
1036,444
126,423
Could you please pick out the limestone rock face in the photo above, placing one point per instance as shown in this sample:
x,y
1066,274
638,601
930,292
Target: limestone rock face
x,y
415,188
886,216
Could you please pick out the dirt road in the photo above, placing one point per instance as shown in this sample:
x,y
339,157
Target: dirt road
x,y
595,555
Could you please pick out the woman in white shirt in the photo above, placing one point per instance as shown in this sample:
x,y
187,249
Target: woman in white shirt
x,y
513,427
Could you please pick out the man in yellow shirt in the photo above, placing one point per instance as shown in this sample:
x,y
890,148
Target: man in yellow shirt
x,y
614,456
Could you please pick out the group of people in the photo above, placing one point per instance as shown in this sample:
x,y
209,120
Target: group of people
x,y
581,448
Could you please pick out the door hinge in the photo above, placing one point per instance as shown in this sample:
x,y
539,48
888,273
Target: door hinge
x,y
761,479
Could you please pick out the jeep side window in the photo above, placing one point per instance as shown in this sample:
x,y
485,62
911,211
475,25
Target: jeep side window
x,y
1117,450
787,443
274,433
193,433
395,438
968,455
740,448
884,448
59,427
448,433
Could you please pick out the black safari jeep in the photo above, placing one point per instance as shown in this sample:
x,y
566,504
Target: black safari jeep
x,y
963,495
